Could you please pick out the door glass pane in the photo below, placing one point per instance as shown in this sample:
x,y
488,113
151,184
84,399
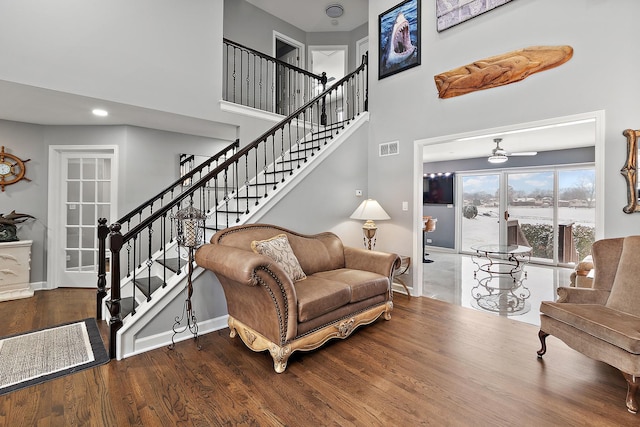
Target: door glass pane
x,y
73,237
104,169
480,210
73,260
73,169
89,169
104,191
576,214
88,262
73,214
88,214
530,206
73,191
88,191
88,237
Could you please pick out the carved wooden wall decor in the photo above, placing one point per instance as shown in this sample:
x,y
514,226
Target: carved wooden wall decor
x,y
501,69
630,171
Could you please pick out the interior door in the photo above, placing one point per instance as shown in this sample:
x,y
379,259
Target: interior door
x,y
286,80
86,193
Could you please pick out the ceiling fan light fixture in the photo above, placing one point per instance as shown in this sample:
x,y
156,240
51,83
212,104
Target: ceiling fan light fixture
x,y
497,158
334,11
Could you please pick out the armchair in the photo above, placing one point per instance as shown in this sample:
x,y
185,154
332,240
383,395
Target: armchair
x,y
603,322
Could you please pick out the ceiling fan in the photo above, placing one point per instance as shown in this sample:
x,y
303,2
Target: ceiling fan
x,y
500,155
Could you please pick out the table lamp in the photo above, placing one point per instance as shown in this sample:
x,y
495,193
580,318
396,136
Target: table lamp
x,y
369,211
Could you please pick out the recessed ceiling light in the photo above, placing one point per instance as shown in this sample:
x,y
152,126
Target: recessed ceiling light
x,y
334,11
100,112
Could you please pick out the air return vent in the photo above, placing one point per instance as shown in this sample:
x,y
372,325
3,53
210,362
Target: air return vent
x,y
389,148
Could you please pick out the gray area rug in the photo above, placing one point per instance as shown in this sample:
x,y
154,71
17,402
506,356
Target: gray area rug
x,y
38,356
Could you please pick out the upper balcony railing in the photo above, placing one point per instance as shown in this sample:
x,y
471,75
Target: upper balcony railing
x,y
256,80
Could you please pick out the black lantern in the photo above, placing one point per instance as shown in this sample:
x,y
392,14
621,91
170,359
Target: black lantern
x,y
189,225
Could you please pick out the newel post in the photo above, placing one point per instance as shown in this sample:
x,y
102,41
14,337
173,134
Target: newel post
x,y
103,232
115,322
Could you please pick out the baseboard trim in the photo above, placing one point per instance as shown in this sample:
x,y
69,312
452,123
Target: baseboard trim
x,y
163,339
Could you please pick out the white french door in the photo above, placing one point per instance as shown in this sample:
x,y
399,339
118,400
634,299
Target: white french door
x,y
85,191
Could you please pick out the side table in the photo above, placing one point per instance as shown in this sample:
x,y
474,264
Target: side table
x,y
405,263
15,264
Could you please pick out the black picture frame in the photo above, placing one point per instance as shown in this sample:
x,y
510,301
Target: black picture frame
x,y
403,32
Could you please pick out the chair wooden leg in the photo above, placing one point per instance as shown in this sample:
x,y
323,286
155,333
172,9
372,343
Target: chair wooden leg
x,y
543,337
633,382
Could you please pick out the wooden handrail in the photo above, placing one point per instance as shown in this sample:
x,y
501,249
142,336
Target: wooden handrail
x,y
278,61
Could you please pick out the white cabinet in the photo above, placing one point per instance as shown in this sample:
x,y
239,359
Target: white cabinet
x,y
15,264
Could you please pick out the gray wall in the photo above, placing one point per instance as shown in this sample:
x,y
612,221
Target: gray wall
x,y
118,50
26,141
326,198
246,24
600,76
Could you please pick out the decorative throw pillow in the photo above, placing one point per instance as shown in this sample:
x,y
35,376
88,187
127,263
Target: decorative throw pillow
x,y
278,249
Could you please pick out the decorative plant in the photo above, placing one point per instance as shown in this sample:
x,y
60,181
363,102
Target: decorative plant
x,y
8,229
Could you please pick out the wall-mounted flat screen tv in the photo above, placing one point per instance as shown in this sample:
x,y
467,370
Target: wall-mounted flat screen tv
x,y
438,189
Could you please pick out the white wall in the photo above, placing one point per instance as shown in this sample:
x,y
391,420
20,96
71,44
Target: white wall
x,y
602,75
159,54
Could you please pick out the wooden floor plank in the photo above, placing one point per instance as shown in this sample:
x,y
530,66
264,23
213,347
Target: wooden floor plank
x,y
432,364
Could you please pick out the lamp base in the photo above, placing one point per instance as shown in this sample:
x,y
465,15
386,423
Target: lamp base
x,y
187,311
369,229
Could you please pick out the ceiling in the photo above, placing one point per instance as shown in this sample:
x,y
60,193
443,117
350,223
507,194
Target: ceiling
x,y
30,104
544,138
310,16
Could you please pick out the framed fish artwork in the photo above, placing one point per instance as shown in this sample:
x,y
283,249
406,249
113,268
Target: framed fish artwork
x,y
399,42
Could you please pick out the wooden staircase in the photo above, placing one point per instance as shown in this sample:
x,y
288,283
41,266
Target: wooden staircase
x,y
232,189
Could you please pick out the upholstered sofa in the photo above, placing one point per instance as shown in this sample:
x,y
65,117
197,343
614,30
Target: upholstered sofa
x,y
603,321
296,292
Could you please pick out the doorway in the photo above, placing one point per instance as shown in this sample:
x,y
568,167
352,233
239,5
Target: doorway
x,y
560,124
288,85
82,188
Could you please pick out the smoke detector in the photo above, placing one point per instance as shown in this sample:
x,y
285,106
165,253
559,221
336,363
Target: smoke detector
x,y
334,11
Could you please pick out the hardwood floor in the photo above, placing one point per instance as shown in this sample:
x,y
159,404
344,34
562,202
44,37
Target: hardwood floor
x,y
433,363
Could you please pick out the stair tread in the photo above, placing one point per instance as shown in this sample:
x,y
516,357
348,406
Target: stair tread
x,y
280,171
173,264
127,305
310,141
143,284
299,159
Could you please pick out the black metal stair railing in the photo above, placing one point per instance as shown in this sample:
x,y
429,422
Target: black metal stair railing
x,y
227,189
260,81
145,210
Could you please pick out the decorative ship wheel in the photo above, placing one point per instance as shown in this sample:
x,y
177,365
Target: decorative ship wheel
x,y
12,169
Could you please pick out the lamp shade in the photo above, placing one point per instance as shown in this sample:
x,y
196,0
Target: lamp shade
x,y
369,210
